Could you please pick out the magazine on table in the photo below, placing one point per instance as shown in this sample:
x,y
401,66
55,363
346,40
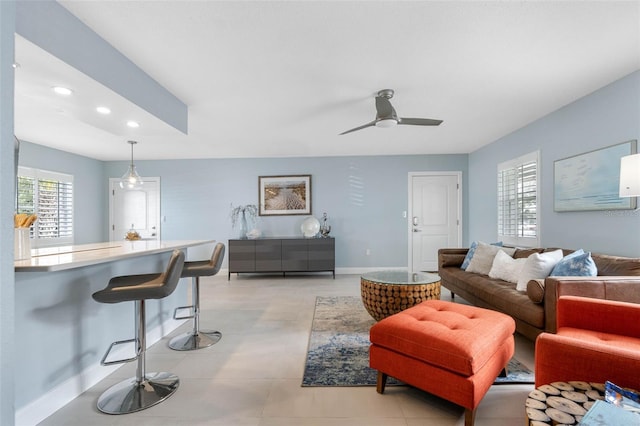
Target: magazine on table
x,y
603,413
623,398
620,407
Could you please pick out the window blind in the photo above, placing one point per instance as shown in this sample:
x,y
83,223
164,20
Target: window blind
x,y
518,201
49,195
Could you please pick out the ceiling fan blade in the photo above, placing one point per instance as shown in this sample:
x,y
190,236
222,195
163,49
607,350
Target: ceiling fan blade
x,y
364,126
419,121
384,108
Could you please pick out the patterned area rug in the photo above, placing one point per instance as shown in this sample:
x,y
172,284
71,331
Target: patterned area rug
x,y
338,353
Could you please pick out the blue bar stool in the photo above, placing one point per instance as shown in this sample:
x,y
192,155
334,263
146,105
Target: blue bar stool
x,y
145,389
196,338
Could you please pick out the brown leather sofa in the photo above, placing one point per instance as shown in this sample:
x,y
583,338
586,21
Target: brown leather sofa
x,y
535,310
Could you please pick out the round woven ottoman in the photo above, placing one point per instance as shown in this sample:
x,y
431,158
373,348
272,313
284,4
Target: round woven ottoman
x,y
386,293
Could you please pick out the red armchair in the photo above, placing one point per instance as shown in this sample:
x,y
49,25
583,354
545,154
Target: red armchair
x,y
596,340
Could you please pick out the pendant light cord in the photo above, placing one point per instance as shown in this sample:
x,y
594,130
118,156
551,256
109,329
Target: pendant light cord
x,y
132,143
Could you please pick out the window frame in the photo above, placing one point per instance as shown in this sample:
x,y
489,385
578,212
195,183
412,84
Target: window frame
x,y
39,175
515,166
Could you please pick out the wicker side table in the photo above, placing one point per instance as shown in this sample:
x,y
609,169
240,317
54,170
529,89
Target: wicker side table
x,y
386,293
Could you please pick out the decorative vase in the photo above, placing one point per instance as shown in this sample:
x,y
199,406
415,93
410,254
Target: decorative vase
x,y
243,226
22,244
325,229
246,215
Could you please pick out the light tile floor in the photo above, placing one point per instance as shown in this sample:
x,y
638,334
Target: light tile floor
x,y
252,376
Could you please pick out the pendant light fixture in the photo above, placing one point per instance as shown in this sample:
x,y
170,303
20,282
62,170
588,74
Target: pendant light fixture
x,y
131,179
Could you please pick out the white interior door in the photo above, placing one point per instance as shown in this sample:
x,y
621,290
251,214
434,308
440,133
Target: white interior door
x,y
434,217
134,209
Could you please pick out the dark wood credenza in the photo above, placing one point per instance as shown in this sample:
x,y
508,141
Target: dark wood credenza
x,y
282,255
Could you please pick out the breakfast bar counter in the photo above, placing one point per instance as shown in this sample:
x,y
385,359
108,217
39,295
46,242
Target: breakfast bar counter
x,y
60,258
61,332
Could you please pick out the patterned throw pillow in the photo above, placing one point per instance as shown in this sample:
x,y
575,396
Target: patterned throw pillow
x,y
576,264
472,251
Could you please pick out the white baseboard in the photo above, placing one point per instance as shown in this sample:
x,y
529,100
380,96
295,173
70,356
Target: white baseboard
x,y
360,271
41,408
347,271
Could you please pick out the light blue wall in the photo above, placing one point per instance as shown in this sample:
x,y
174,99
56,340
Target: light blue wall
x,y
364,198
7,197
90,209
608,116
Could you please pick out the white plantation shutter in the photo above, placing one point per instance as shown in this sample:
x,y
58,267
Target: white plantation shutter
x,y
50,196
518,220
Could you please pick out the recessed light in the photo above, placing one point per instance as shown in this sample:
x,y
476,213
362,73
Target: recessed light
x,y
64,91
133,124
103,110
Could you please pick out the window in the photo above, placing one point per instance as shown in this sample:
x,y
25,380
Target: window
x,y
518,218
49,195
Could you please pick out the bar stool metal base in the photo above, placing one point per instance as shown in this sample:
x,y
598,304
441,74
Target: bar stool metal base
x,y
191,341
130,395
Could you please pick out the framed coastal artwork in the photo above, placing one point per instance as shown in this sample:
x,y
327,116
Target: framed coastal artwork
x,y
590,181
284,195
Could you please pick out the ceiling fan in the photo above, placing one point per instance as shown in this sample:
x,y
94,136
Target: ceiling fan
x,y
386,116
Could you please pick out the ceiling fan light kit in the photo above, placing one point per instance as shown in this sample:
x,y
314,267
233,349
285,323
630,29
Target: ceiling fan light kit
x,y
386,123
386,115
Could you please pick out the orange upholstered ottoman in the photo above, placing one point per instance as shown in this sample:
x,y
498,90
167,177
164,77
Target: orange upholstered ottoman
x,y
451,350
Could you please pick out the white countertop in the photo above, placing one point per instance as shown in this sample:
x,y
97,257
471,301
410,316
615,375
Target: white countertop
x,y
69,257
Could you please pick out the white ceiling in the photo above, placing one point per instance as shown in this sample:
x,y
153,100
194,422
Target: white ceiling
x,y
284,78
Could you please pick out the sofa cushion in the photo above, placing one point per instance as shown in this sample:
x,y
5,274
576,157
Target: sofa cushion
x,y
593,358
576,264
522,253
452,336
472,251
616,265
538,265
587,338
482,260
492,293
535,290
506,267
451,257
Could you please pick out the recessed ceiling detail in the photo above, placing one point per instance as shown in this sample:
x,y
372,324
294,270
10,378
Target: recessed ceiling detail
x,y
71,123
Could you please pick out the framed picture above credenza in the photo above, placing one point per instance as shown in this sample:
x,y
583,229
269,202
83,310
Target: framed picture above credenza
x,y
284,195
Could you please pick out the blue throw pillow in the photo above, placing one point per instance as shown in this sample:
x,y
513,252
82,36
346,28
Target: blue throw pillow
x,y
577,264
471,252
